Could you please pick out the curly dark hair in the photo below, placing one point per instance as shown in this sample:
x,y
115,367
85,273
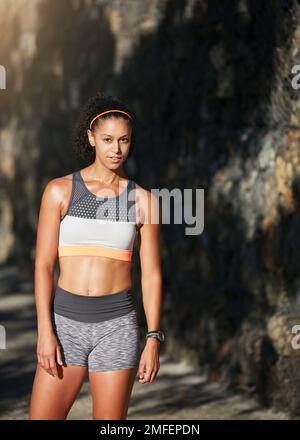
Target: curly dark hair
x,y
95,105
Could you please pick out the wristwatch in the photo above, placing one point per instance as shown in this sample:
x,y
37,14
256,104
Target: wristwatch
x,y
158,334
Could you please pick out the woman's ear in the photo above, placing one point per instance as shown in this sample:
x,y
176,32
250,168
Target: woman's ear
x,y
91,137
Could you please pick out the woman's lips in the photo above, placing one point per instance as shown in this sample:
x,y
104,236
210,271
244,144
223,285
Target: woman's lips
x,y
115,159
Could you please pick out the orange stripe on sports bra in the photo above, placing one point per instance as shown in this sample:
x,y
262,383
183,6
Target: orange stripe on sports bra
x,y
64,251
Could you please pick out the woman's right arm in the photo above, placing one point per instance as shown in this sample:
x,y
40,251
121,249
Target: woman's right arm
x,y
48,349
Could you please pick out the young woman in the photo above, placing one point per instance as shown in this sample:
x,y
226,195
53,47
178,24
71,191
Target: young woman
x,y
90,219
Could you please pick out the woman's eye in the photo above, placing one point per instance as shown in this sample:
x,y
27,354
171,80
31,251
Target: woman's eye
x,y
124,140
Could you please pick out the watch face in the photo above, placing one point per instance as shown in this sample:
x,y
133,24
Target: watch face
x,y
161,335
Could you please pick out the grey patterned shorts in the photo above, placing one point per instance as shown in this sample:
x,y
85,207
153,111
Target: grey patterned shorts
x,y
106,345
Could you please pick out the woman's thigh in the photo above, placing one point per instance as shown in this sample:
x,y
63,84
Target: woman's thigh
x,y
116,344
113,366
111,392
53,396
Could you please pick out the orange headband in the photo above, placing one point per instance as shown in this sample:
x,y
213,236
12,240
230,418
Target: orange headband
x,y
108,111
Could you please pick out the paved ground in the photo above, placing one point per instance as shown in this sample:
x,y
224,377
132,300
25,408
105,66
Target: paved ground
x,y
179,391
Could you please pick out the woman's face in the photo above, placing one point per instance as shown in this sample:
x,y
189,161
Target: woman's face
x,y
111,139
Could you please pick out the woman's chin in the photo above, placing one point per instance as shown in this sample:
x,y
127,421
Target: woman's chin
x,y
113,166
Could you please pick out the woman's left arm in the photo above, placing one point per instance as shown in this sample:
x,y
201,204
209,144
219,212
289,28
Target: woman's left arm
x,y
151,281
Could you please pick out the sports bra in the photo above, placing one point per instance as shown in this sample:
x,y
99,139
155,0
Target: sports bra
x,y
100,226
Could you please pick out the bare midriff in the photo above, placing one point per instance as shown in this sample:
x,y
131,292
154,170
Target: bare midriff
x,y
94,275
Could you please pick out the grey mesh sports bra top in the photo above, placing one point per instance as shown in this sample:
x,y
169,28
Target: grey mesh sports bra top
x,y
101,226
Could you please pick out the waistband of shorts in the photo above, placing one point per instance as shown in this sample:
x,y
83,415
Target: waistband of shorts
x,y
92,308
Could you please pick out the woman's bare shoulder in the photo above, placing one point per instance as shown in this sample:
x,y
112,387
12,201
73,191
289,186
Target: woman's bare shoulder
x,y
59,187
147,205
140,191
144,195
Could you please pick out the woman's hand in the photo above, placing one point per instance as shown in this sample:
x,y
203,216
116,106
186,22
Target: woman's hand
x,y
48,351
149,362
